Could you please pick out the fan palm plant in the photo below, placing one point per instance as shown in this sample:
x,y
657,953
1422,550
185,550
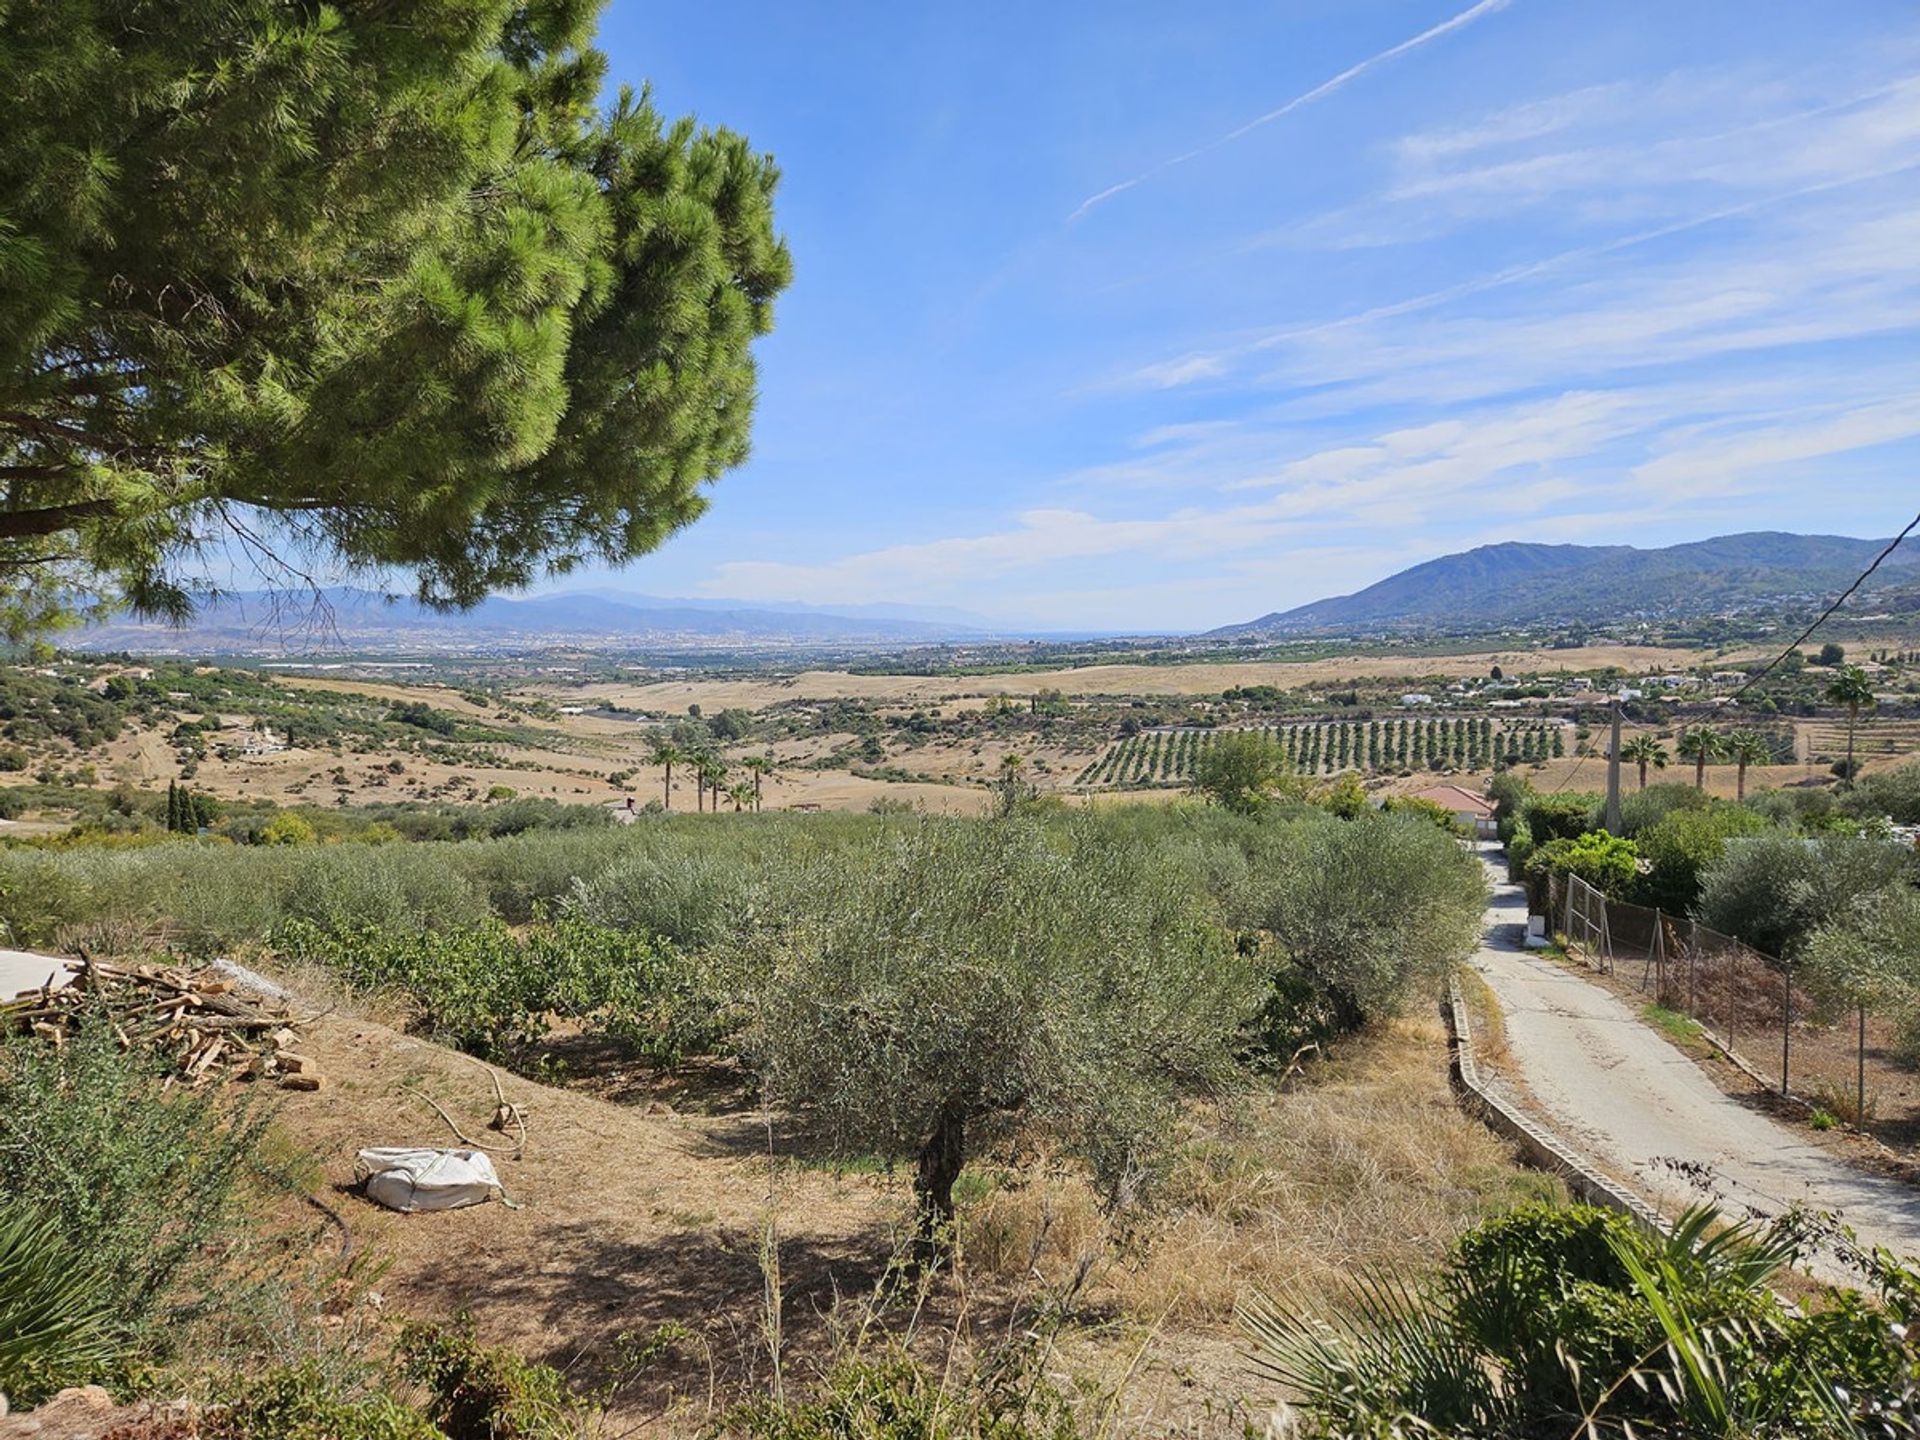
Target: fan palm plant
x,y
58,1317
1577,1322
1645,750
1852,689
1700,743
713,775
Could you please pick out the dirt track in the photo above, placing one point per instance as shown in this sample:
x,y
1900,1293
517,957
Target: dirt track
x,y
1631,1101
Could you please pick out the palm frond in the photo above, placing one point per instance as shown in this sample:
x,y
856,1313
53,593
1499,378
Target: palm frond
x,y
57,1316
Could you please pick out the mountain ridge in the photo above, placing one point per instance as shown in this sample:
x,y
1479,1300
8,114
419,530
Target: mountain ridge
x,y
1521,582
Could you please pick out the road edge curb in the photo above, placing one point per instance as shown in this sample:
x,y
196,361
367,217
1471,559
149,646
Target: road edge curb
x,y
1540,1147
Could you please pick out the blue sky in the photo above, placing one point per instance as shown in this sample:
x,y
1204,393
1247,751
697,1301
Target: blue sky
x,y
1120,315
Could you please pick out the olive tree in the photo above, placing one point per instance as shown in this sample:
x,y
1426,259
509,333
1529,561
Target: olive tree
x,y
962,978
1774,890
1242,770
1371,909
1870,958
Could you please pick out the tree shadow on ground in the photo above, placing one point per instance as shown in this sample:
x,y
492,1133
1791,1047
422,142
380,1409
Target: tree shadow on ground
x,y
612,1070
590,1296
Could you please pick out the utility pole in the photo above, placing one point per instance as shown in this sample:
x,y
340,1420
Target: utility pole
x,y
1613,774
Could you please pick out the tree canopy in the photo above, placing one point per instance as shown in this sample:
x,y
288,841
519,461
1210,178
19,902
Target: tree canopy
x,y
1242,770
923,996
360,285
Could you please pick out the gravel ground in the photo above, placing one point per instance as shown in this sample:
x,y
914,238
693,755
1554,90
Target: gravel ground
x,y
1646,1113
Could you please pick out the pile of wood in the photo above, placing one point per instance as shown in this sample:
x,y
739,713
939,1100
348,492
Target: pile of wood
x,y
194,1017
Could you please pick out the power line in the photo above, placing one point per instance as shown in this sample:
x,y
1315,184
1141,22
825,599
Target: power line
x,y
1826,614
1580,758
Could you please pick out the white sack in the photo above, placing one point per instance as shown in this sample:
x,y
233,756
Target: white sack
x,y
405,1178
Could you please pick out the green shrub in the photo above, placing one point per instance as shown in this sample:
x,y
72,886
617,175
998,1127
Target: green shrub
x,y
139,1179
1795,808
1510,792
1606,862
39,896
479,1392
1681,845
1641,810
690,899
343,887
894,1397
1869,956
494,993
1893,793
299,1402
1559,817
1519,849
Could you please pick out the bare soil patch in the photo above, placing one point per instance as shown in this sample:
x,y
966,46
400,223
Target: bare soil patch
x,y
651,1199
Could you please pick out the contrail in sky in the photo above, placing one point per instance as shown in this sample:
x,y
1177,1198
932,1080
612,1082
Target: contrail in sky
x,y
1464,18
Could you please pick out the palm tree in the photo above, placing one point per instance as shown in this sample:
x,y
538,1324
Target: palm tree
x,y
1700,743
1744,748
741,795
1645,750
713,771
760,767
666,753
1852,689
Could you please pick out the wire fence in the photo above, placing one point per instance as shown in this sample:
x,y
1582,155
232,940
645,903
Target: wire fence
x,y
1746,1002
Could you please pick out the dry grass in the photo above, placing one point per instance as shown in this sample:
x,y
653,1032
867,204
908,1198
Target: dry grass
x,y
1367,1161
1203,678
1485,1016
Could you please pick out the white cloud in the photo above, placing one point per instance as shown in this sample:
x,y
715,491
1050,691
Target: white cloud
x,y
1184,371
1728,462
1319,92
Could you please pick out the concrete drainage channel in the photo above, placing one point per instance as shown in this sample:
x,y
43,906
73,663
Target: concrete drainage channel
x,y
1540,1146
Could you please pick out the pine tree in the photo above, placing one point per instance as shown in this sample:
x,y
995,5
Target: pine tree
x,y
382,281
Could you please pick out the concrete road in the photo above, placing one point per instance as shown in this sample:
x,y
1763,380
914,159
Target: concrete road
x,y
1628,1099
23,970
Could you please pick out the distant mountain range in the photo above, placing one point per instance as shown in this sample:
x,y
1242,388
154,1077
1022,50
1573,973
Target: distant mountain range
x,y
1521,584
255,622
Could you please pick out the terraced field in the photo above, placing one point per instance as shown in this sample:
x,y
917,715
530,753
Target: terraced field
x,y
1879,737
1327,747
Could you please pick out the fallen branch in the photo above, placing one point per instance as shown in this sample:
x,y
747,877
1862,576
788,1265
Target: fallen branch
x,y
453,1125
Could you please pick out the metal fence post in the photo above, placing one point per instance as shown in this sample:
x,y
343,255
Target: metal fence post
x,y
1860,1073
1659,956
1786,1025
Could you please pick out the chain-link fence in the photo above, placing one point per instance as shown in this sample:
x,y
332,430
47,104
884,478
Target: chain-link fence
x,y
1748,1003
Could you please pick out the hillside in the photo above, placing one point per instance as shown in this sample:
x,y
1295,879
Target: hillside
x,y
1515,583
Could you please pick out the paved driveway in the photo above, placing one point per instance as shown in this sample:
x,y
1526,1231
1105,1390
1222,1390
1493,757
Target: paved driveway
x,y
1631,1101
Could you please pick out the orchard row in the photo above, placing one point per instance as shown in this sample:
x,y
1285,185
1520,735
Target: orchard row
x,y
1329,747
